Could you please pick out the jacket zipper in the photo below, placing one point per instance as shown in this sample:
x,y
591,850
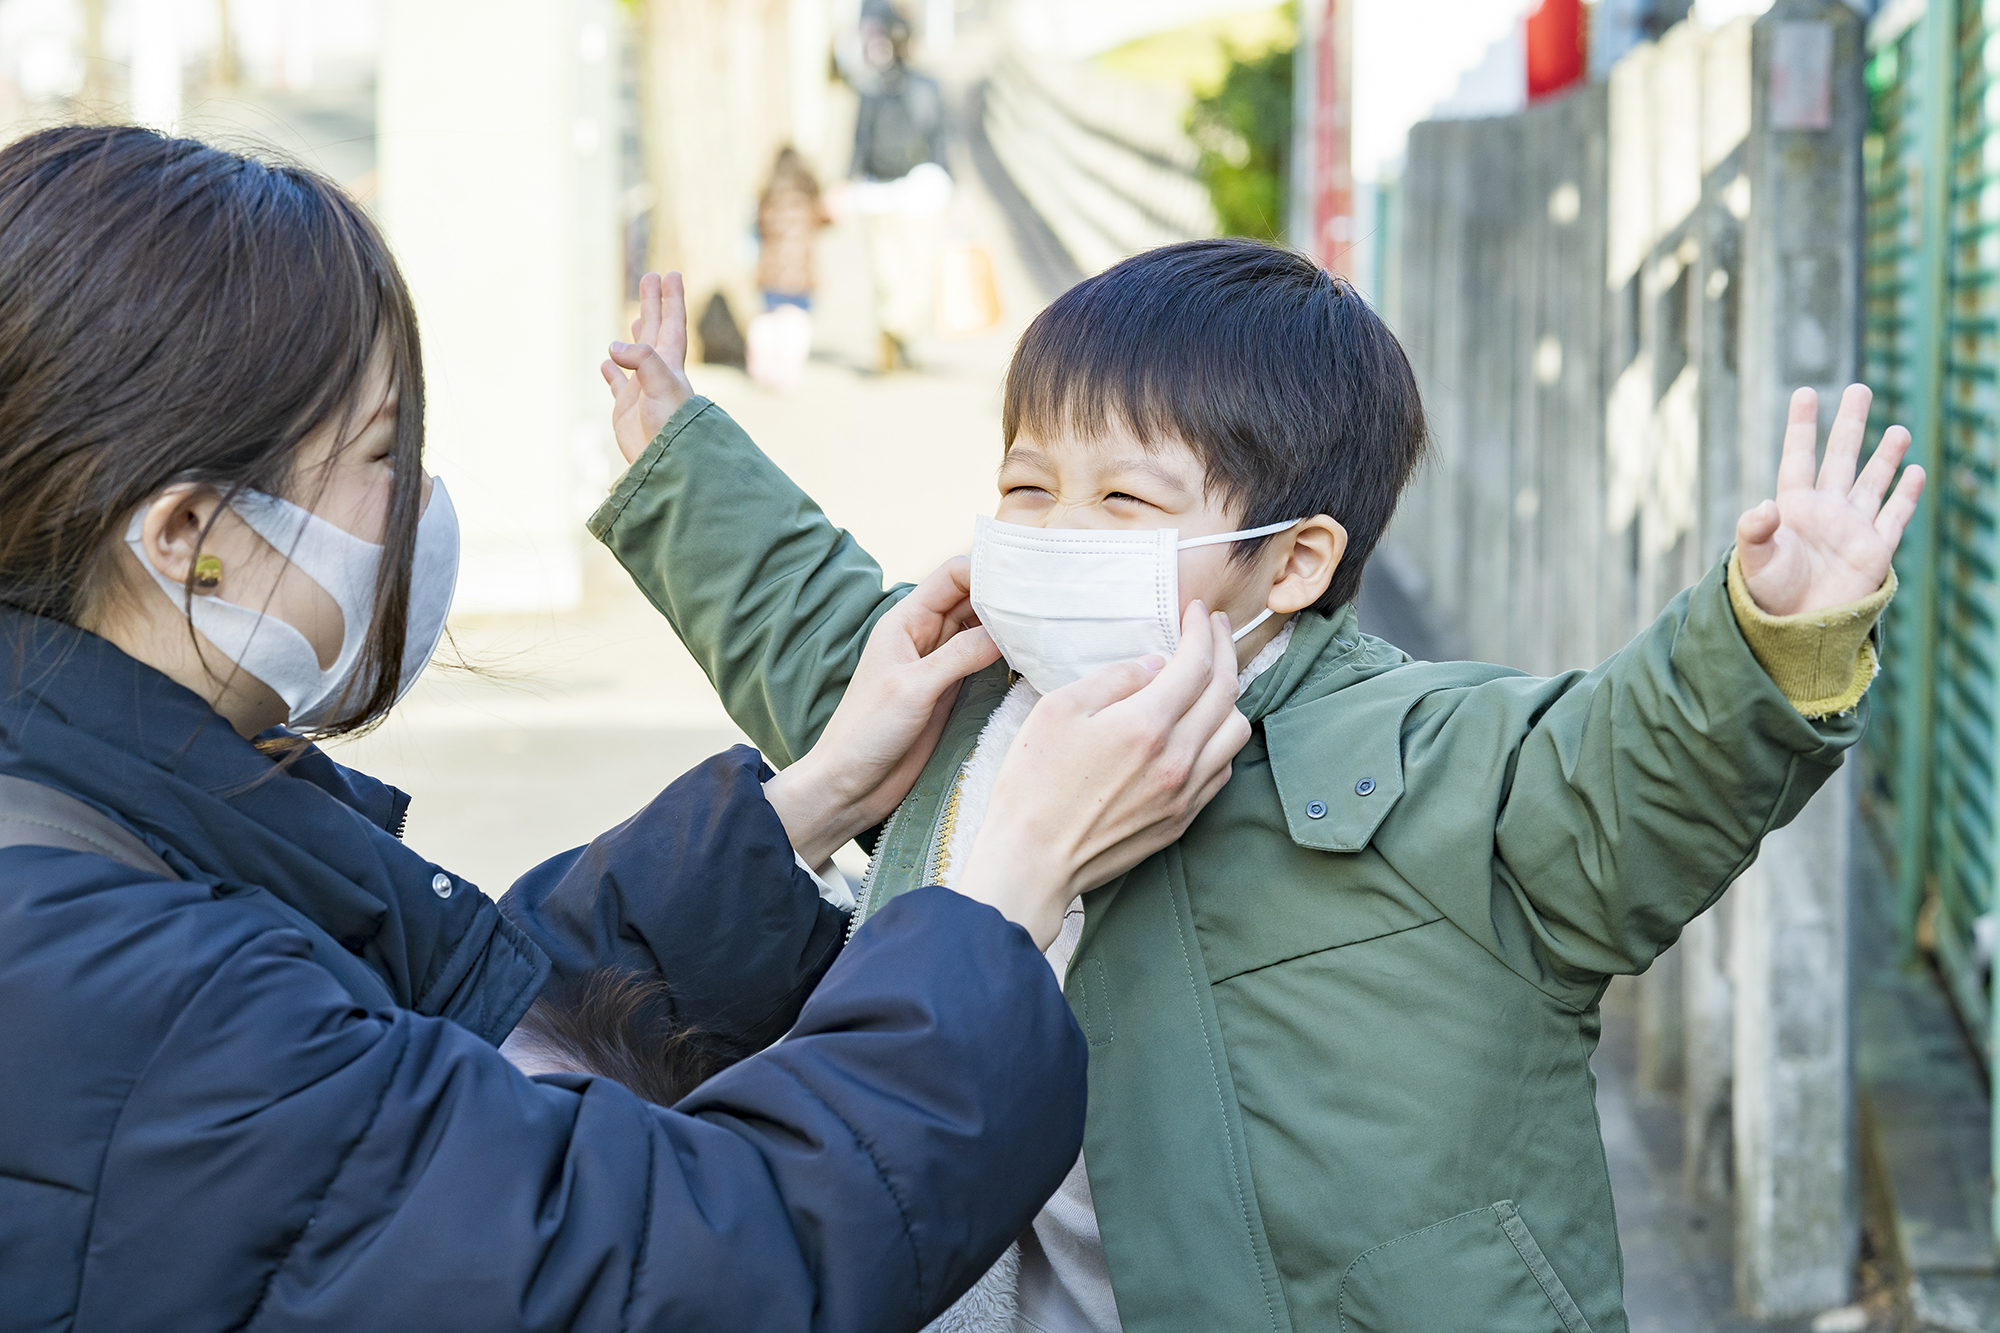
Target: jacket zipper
x,y
937,862
947,830
862,899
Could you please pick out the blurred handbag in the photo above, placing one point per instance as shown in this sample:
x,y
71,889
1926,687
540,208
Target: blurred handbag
x,y
968,299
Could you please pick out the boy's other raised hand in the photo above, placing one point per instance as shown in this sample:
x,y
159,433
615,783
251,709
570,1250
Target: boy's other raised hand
x,y
657,386
1827,542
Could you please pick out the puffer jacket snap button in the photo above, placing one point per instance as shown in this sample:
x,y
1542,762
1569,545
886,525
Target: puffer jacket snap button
x,y
441,885
1316,810
1365,787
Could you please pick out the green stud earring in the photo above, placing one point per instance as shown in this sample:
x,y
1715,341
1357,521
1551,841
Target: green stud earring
x,y
208,572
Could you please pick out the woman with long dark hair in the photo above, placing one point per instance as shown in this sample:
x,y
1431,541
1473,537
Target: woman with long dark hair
x,y
248,1068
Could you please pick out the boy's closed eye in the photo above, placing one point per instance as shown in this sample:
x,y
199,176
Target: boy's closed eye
x,y
1061,484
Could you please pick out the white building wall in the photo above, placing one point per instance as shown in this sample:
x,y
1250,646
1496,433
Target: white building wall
x,y
498,188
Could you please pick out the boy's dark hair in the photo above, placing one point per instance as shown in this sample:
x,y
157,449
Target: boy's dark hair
x,y
175,312
1279,376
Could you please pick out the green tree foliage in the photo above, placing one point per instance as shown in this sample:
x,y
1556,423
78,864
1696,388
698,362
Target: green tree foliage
x,y
1244,131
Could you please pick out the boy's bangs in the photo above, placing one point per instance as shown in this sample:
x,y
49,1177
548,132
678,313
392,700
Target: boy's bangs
x,y
1086,372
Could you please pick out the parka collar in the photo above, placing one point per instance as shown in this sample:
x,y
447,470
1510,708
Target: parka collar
x,y
1319,643
1336,752
82,716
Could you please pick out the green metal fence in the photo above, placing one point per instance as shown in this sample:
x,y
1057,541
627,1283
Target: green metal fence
x,y
1932,353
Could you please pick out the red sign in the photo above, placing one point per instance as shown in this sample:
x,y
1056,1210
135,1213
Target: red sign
x,y
1558,38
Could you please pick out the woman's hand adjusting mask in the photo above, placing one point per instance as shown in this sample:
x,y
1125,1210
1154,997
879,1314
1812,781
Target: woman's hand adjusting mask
x,y
889,720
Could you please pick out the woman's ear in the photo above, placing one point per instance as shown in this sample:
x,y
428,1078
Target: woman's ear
x,y
1317,545
171,532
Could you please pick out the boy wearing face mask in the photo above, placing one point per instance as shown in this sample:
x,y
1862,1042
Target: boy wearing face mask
x,y
1340,1032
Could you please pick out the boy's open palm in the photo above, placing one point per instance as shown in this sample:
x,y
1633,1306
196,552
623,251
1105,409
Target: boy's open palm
x,y
1827,542
657,386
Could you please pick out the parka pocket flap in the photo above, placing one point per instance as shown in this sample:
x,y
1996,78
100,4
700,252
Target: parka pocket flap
x,y
1481,1269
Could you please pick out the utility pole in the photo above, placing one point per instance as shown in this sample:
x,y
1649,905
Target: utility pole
x,y
1323,216
1793,1101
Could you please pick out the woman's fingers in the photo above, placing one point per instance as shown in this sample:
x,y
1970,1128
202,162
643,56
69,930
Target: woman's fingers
x,y
1873,483
1843,442
1105,687
1218,753
944,588
1799,461
1213,730
1184,679
934,610
956,658
1217,700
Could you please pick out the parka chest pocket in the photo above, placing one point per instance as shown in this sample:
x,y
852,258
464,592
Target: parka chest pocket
x,y
1479,1272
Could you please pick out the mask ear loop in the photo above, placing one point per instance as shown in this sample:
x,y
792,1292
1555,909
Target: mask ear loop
x,y
1219,538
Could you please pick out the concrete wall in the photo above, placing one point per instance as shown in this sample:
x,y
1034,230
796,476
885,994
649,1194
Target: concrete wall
x,y
1608,300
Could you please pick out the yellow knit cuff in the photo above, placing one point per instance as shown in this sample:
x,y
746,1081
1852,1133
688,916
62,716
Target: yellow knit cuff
x,y
1823,661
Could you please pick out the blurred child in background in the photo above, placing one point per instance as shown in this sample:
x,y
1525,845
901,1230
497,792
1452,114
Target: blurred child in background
x,y
789,216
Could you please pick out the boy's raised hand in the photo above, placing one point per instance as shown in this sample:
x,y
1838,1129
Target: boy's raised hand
x,y
644,400
1827,543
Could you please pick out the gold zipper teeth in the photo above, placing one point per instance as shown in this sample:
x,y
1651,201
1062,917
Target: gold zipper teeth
x,y
940,860
947,830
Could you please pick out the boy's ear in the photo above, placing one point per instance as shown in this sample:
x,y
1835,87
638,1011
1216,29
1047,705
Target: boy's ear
x,y
1316,548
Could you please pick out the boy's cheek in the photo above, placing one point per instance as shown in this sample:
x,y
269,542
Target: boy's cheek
x,y
1206,573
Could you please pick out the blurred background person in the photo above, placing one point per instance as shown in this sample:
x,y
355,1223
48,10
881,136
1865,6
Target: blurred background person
x,y
790,215
901,188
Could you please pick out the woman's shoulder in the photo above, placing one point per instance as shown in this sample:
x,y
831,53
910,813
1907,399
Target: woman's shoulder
x,y
92,934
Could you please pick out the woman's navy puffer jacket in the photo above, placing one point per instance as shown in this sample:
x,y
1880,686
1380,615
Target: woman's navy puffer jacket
x,y
268,1096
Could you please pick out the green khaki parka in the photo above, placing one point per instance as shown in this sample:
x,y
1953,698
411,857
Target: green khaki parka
x,y
1340,1034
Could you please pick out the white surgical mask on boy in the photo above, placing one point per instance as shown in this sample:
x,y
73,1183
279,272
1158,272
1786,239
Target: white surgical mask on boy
x,y
346,566
1062,602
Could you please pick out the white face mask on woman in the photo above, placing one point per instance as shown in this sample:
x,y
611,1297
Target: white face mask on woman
x,y
274,651
1062,602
